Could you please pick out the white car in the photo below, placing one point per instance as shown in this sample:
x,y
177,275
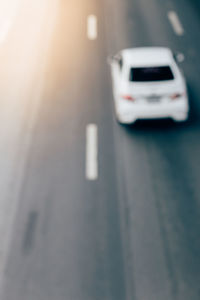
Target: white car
x,y
148,84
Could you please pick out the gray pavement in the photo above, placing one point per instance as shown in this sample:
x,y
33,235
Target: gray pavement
x,y
133,233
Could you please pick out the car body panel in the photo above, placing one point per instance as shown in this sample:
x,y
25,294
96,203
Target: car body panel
x,y
151,99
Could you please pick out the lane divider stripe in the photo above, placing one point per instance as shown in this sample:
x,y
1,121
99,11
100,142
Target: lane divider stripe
x,y
92,152
175,22
92,30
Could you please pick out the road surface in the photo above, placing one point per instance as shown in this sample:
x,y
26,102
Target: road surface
x,y
97,210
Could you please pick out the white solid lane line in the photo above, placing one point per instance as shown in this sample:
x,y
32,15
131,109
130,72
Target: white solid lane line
x,y
92,30
175,22
92,152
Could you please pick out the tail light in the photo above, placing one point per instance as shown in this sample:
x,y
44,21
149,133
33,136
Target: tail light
x,y
128,97
177,96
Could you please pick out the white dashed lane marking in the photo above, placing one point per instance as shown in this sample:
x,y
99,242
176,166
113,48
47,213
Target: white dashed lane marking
x,y
92,27
92,152
175,22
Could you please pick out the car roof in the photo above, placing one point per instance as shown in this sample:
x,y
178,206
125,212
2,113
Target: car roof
x,y
147,56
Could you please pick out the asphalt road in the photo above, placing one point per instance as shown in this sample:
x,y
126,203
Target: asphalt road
x,y
133,233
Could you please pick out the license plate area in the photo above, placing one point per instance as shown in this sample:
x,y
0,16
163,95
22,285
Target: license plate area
x,y
153,99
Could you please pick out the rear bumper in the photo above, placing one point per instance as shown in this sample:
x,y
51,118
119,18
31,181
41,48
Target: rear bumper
x,y
177,110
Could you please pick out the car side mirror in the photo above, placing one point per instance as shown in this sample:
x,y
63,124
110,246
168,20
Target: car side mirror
x,y
112,58
179,57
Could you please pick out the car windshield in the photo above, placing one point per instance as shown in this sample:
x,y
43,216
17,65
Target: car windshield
x,y
162,73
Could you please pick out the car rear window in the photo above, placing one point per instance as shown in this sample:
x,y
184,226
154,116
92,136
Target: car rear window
x,y
151,74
